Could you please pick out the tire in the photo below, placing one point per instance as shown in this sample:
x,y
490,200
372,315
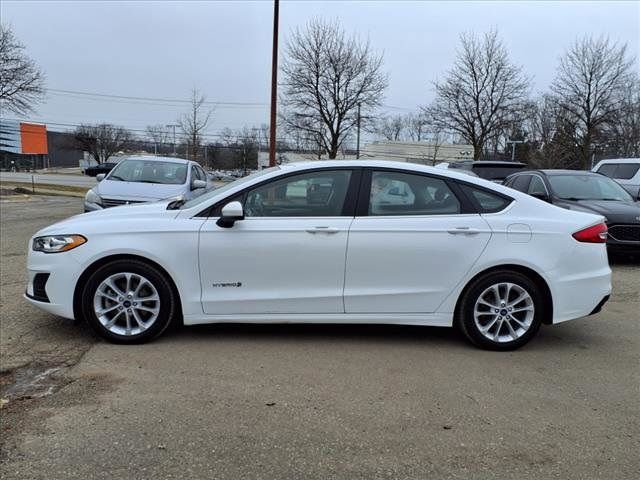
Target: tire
x,y
119,318
484,317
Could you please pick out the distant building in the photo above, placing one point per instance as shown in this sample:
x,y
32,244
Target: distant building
x,y
29,146
427,153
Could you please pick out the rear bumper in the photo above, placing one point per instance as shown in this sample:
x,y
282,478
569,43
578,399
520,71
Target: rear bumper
x,y
584,288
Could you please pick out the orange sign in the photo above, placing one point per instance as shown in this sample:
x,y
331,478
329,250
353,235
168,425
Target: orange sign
x,y
34,138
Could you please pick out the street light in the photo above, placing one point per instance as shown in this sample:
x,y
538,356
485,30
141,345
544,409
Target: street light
x,y
513,148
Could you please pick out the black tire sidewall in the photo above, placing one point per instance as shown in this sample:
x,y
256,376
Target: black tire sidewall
x,y
167,300
466,321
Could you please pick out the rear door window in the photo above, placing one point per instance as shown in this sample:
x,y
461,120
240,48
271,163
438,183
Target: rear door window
x,y
395,193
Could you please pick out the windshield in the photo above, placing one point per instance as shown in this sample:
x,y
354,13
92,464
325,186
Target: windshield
x,y
587,187
212,193
149,171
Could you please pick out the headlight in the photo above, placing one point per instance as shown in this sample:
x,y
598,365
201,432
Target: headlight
x,y
174,198
93,197
57,243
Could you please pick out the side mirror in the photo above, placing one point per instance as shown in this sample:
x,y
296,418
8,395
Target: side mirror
x,y
540,196
100,176
196,184
231,213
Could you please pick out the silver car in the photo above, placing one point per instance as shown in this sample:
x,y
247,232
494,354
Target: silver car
x,y
147,179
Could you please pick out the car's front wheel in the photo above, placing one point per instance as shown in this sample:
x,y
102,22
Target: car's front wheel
x,y
501,310
128,301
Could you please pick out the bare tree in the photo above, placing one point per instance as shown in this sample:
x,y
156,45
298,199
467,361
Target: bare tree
x,y
589,86
103,140
194,122
159,135
21,81
390,127
416,126
481,92
226,136
326,76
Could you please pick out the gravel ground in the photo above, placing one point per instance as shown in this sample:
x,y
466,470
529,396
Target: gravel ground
x,y
312,401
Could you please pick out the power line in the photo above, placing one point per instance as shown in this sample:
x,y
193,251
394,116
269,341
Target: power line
x,y
174,101
152,99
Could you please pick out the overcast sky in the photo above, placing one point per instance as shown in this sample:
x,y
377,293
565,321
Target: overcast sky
x,y
163,49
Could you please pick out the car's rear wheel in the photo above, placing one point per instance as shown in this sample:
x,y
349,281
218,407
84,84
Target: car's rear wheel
x,y
502,310
128,301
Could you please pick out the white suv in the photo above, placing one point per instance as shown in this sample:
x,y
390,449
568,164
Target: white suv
x,y
625,171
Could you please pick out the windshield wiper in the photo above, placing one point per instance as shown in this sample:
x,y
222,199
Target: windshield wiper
x,y
176,204
116,177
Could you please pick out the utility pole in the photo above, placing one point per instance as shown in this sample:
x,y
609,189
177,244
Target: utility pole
x,y
358,133
274,86
513,148
174,125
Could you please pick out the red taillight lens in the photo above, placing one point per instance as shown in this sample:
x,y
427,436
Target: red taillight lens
x,y
595,234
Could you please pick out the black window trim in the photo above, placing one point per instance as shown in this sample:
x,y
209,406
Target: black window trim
x,y
348,209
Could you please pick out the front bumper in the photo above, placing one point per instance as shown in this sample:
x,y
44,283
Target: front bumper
x,y
62,271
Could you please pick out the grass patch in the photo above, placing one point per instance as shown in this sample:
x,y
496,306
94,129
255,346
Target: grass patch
x,y
46,189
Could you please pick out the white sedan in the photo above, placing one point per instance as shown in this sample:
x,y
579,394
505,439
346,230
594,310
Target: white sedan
x,y
328,242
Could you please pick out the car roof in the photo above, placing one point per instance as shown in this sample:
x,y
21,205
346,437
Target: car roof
x,y
619,160
554,172
408,166
156,158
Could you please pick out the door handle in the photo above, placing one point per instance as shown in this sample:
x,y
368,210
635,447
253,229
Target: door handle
x,y
327,230
463,231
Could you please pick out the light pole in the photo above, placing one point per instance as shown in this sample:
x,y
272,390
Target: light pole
x,y
274,86
174,136
358,133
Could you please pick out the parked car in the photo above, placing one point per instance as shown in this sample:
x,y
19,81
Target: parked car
x,y
105,168
147,179
625,171
494,171
587,192
464,252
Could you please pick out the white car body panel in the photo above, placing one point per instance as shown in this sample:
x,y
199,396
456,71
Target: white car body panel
x,y
417,273
291,275
285,265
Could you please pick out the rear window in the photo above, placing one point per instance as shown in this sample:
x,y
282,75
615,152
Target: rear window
x,y
487,201
621,171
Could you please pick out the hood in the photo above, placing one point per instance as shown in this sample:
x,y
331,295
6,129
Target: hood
x,y
83,222
137,191
613,210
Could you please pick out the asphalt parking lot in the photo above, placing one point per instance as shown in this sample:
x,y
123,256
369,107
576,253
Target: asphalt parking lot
x,y
230,402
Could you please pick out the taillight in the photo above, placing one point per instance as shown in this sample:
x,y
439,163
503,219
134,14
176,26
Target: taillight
x,y
595,234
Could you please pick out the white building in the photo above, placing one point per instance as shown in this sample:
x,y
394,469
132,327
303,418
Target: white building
x,y
427,153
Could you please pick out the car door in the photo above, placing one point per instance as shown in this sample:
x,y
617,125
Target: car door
x,y
411,244
287,255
